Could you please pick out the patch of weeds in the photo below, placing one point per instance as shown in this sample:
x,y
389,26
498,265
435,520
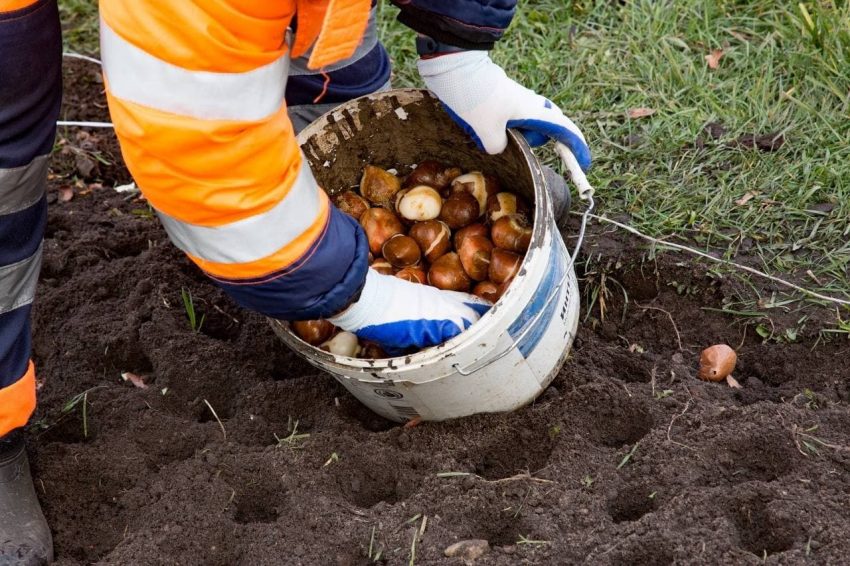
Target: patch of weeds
x,y
528,541
294,439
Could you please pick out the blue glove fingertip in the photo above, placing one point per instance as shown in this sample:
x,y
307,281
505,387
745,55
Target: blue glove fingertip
x,y
480,308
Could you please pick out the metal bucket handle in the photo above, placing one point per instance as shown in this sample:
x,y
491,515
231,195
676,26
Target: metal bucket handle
x,y
585,192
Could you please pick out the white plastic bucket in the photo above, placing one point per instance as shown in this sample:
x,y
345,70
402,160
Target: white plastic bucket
x,y
509,356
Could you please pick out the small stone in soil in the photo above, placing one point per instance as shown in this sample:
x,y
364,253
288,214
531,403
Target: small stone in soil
x,y
468,549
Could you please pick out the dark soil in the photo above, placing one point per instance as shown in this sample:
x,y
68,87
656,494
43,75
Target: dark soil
x,y
626,459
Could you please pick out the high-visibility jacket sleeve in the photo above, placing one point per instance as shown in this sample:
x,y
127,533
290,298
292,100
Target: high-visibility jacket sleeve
x,y
30,94
196,93
471,24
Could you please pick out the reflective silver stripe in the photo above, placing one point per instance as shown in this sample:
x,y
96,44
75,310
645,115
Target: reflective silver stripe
x,y
22,187
256,237
137,76
370,40
17,282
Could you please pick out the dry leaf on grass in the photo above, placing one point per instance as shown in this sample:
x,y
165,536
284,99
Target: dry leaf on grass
x,y
640,112
713,58
134,379
748,196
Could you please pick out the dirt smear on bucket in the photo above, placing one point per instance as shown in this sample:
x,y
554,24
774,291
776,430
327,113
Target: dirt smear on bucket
x,y
237,452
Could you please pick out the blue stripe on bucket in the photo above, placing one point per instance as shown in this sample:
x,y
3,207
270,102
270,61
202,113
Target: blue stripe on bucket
x,y
538,301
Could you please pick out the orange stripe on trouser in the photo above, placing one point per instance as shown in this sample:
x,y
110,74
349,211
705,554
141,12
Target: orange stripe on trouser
x,y
11,5
17,402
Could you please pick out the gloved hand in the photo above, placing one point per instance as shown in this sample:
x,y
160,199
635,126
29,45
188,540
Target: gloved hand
x,y
485,102
399,315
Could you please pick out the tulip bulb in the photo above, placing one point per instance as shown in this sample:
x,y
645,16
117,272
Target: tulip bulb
x,y
401,251
432,173
420,203
503,204
512,232
352,204
412,274
383,267
370,350
313,332
488,291
433,238
447,273
460,209
504,265
380,225
717,362
478,185
476,229
343,344
474,255
379,186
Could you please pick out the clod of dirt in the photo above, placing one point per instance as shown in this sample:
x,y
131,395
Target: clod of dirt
x,y
714,130
468,549
765,142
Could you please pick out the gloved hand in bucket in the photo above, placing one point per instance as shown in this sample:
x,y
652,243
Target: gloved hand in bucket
x,y
485,102
400,315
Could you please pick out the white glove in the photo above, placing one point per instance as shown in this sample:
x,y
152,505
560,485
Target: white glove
x,y
485,102
399,315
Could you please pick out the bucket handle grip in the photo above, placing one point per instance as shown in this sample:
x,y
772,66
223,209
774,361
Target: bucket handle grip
x,y
585,192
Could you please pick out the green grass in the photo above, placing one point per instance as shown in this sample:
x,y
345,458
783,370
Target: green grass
x,y
784,69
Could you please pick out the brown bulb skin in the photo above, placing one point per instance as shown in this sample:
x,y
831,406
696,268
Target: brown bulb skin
x,y
433,238
379,186
401,251
474,255
314,332
478,185
372,351
447,274
717,362
383,267
512,232
433,174
504,265
488,291
503,204
380,225
476,229
413,274
460,209
352,204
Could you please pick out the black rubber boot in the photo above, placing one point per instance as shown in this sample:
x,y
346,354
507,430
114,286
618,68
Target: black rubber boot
x,y
559,192
24,535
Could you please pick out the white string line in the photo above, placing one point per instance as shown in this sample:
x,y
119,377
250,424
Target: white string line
x,y
72,55
794,286
84,124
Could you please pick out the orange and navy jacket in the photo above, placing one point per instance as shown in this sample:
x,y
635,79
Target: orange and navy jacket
x,y
198,98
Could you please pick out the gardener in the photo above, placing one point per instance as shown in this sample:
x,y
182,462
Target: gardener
x,y
198,93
